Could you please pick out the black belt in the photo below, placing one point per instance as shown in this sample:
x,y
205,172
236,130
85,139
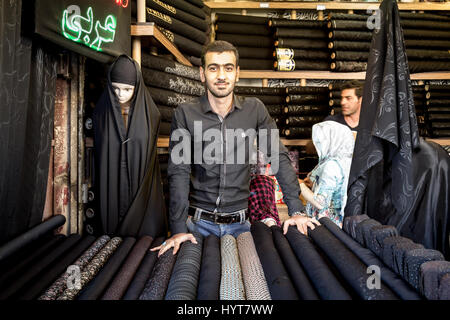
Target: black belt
x,y
225,218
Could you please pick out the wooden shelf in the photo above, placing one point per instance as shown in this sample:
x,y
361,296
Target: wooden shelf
x,y
143,29
269,74
322,5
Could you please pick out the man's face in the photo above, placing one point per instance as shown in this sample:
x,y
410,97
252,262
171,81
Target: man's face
x,y
220,73
350,103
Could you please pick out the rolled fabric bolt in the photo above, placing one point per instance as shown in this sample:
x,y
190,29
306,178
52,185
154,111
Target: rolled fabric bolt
x,y
444,288
288,53
166,112
241,28
362,230
414,259
301,43
348,66
420,54
306,99
171,82
377,236
254,52
256,64
291,65
346,16
388,251
350,55
437,87
349,45
426,44
243,90
274,110
349,35
169,66
187,7
258,41
423,16
209,278
301,33
399,252
231,282
235,18
297,132
423,66
306,90
169,98
313,24
347,25
302,110
426,34
266,99
184,44
303,121
351,222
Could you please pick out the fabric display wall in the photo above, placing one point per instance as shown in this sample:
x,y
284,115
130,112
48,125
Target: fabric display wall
x,y
438,109
183,23
170,83
251,35
330,263
306,106
300,45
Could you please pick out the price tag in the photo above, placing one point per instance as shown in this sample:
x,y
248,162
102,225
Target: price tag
x,y
320,7
264,5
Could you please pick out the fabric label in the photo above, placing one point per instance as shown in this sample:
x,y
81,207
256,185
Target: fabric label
x,y
285,53
159,15
286,65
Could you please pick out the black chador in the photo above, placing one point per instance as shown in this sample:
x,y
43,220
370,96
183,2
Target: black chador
x,y
127,174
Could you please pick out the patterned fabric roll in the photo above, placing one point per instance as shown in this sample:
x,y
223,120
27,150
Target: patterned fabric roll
x,y
169,66
431,274
399,252
209,279
313,24
297,132
172,82
254,52
444,288
348,25
187,7
303,121
168,98
306,99
349,45
301,33
414,259
427,44
287,53
123,278
185,45
306,90
377,236
243,28
301,43
302,110
362,231
256,64
291,65
143,273
348,66
156,286
231,284
350,55
235,18
246,40
60,284
92,269
184,279
351,222
350,35
418,54
252,272
166,112
278,281
255,91
346,16
97,286
274,110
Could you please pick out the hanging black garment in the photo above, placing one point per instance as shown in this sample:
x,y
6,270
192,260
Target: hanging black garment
x,y
172,82
128,179
246,40
168,98
169,66
303,110
254,52
348,66
350,45
243,28
350,55
427,44
286,53
314,24
301,43
350,35
236,18
301,33
185,45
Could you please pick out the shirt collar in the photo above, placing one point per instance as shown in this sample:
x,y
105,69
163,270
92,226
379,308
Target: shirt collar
x,y
206,106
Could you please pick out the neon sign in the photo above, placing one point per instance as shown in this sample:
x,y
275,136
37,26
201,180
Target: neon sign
x,y
79,28
123,3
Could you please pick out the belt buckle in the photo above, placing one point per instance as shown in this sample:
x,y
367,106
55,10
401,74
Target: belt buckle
x,y
215,218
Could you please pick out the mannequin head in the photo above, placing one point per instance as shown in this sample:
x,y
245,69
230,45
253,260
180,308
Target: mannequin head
x,y
123,91
123,79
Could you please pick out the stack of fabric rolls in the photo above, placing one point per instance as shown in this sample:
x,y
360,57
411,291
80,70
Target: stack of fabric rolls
x,y
306,106
170,83
185,23
335,98
438,109
252,37
300,45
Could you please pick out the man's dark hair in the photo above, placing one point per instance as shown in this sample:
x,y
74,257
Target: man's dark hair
x,y
219,46
354,84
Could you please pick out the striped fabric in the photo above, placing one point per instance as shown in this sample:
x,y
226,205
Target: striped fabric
x,y
184,280
231,284
252,272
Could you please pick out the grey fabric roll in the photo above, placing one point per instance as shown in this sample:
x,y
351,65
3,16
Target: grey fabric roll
x,y
431,274
399,252
168,98
444,288
350,55
302,110
156,286
243,28
301,33
184,279
377,236
301,43
171,82
231,282
252,272
350,35
246,41
236,18
351,222
350,45
362,230
413,261
169,66
348,66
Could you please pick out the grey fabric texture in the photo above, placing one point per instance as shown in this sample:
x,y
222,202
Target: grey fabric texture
x,y
414,259
377,236
431,275
231,282
388,254
362,231
351,222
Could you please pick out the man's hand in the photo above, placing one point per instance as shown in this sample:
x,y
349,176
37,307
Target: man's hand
x,y
175,241
301,222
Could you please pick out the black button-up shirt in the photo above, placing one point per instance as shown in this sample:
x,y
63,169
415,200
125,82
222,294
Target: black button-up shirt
x,y
220,186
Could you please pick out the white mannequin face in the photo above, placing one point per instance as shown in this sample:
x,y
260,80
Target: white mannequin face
x,y
124,92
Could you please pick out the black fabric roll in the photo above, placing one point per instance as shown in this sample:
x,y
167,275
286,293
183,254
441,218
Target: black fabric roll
x,y
438,117
441,133
254,52
31,235
334,102
179,14
350,35
187,7
307,99
353,270
438,87
426,34
287,53
399,252
349,45
243,28
431,274
300,280
197,3
94,289
278,281
47,260
184,279
256,64
347,16
291,65
164,128
444,288
143,273
440,125
348,66
420,16
168,98
390,278
169,66
388,251
324,281
303,121
301,43
269,99
166,113
414,259
242,90
438,94
237,18
427,44
297,132
274,109
351,222
185,45
427,54
439,102
306,90
312,24
172,82
301,33
362,231
241,40
425,24
196,61
175,25
302,110
46,277
209,279
348,25
350,55
377,236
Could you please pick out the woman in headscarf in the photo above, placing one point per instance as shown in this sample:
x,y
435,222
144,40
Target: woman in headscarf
x,y
127,175
334,143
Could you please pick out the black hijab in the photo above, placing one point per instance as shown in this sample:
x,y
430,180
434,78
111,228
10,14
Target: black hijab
x,y
387,181
127,174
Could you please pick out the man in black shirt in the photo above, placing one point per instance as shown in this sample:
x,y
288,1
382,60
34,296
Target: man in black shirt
x,y
206,182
